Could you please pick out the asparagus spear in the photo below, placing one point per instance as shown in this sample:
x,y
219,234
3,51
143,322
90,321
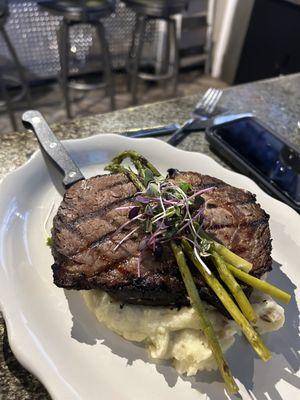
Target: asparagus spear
x,y
135,156
204,321
259,284
234,287
252,336
232,258
115,168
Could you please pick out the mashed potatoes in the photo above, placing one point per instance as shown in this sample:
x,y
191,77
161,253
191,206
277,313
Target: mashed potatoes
x,y
171,334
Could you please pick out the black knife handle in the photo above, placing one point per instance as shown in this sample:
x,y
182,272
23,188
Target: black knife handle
x,y
34,121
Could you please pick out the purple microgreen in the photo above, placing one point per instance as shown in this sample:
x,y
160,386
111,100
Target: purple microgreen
x,y
139,216
142,199
201,192
134,212
149,210
171,202
161,225
153,237
125,238
185,226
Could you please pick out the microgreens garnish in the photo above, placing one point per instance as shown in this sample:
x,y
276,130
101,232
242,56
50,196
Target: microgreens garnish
x,y
170,211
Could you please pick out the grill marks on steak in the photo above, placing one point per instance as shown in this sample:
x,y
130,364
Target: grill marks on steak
x,y
85,235
89,212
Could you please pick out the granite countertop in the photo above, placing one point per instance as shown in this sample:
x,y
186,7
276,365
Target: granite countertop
x,y
276,102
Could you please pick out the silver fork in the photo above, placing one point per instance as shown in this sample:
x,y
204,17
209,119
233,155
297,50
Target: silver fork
x,y
204,110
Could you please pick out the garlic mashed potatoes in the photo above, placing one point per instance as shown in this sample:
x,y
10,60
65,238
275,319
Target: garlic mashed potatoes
x,y
171,334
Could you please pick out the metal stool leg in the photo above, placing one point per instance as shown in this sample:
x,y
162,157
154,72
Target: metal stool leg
x,y
19,66
168,43
140,31
131,52
107,64
167,60
175,53
64,48
8,105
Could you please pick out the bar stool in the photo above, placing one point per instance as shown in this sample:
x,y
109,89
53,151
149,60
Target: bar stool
x,y
76,12
7,80
146,11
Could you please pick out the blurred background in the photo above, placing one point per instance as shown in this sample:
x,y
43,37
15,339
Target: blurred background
x,y
74,58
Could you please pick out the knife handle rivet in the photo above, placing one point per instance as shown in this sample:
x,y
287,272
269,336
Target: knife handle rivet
x,y
36,120
72,174
52,145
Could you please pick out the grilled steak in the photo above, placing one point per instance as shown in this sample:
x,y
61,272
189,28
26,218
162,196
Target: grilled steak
x,y
85,234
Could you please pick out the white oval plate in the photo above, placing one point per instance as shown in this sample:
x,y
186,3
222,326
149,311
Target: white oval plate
x,y
54,336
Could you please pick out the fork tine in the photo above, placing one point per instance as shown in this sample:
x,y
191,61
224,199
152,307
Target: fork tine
x,y
204,98
209,99
215,100
214,93
219,96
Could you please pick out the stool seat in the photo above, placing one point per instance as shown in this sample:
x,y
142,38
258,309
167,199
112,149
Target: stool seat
x,y
76,10
157,8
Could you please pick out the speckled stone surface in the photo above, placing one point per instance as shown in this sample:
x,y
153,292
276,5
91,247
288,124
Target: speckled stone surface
x,y
276,102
